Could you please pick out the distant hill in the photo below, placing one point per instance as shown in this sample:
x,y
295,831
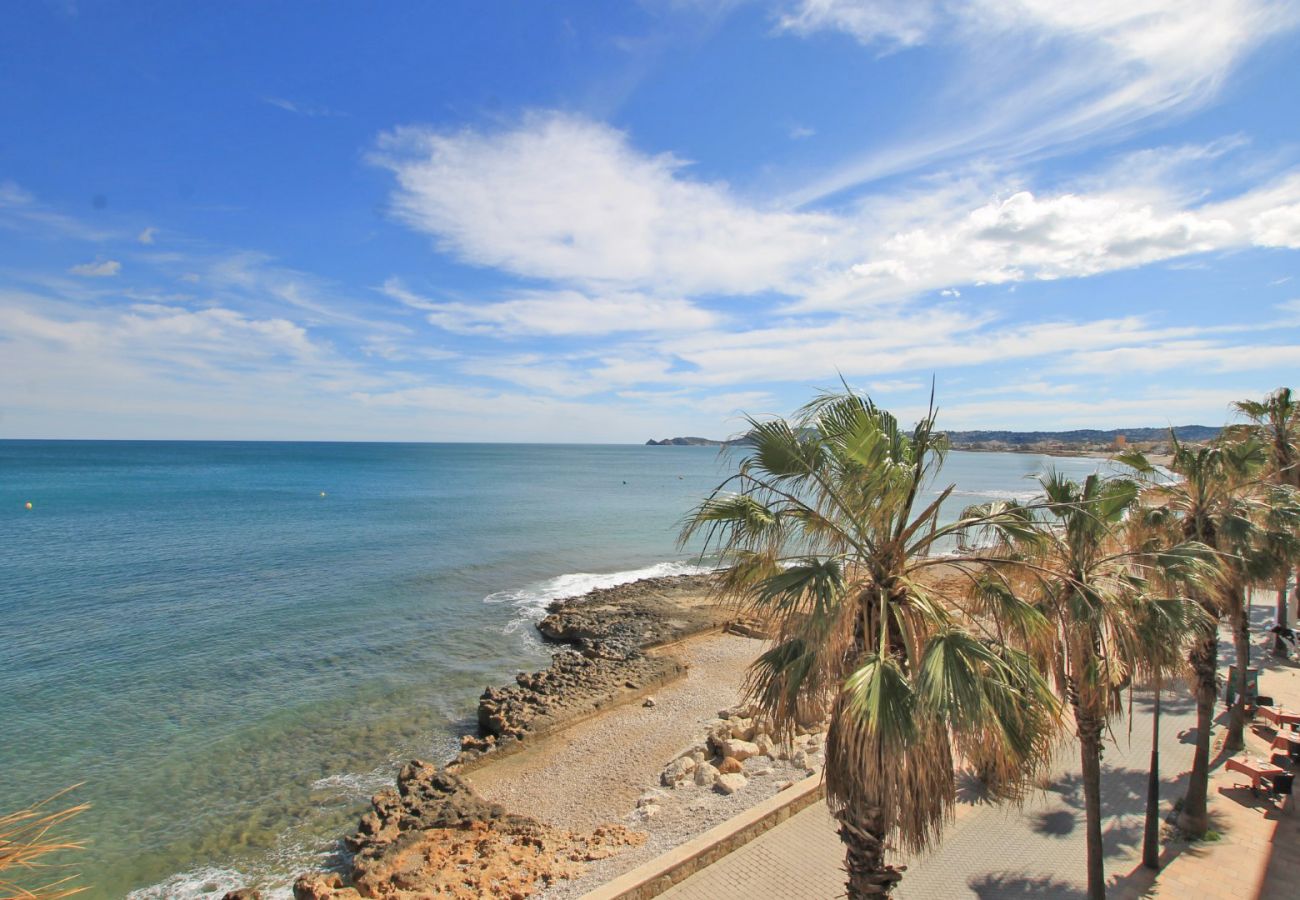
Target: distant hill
x,y
692,442
1082,436
1013,439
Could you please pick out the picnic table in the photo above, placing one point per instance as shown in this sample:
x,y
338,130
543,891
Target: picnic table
x,y
1287,742
1254,768
1278,716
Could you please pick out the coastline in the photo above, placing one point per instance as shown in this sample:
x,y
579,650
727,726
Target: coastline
x,y
572,758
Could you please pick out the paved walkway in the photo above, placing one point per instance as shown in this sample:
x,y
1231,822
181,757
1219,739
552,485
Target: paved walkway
x,y
1038,850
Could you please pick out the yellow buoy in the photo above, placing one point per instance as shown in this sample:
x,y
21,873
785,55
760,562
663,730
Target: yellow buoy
x,y
29,504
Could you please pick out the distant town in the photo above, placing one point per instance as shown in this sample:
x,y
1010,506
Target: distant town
x,y
1085,440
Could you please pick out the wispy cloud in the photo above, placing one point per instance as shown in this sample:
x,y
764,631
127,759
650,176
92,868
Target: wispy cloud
x,y
106,268
1080,72
310,110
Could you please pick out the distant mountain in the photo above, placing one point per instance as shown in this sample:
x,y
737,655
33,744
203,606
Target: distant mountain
x,y
1080,436
692,442
1012,439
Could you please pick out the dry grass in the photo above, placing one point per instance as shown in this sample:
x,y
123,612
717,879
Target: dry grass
x,y
28,838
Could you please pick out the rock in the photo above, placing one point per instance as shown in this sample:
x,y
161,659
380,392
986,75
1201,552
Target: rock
x,y
706,774
729,784
649,703
743,729
677,771
649,811
760,772
800,758
649,797
738,749
730,766
322,886
243,894
766,746
699,754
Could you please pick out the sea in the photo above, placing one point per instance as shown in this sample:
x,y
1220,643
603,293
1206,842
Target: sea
x,y
229,646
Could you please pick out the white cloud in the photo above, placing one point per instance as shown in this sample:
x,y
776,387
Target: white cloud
x,y
802,132
147,236
560,197
559,312
571,202
891,24
1078,71
100,269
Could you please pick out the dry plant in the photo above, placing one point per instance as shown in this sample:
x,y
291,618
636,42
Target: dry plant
x,y
28,837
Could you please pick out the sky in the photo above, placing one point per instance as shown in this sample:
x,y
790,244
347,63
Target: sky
x,y
607,222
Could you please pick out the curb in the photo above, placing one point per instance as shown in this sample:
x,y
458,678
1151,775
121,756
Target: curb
x,y
652,878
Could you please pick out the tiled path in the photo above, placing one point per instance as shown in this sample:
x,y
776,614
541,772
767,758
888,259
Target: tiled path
x,y
1038,851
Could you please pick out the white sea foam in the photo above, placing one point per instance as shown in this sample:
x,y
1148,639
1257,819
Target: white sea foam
x,y
356,785
205,884
532,600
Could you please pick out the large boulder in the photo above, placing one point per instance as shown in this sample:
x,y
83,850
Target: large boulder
x,y
729,784
706,774
677,771
730,766
735,748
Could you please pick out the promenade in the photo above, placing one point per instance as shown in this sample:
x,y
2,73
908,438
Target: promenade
x,y
1037,850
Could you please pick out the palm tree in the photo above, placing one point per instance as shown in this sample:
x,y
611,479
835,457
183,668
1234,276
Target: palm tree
x,y
1204,506
1105,628
821,536
1276,424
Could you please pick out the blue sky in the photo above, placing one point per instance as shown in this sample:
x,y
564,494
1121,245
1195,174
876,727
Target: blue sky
x,y
608,222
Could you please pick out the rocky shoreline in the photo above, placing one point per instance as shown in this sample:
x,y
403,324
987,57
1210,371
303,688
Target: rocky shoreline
x,y
435,836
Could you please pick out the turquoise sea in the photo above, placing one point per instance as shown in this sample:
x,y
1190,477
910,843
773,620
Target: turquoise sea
x,y
232,644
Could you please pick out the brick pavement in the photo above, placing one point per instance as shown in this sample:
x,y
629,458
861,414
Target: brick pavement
x,y
1037,850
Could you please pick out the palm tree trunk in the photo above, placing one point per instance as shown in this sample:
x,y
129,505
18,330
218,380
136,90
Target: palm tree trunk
x,y
1194,817
1236,738
1090,756
863,834
1279,647
1151,827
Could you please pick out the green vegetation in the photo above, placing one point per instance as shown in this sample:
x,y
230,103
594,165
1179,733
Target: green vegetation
x,y
928,665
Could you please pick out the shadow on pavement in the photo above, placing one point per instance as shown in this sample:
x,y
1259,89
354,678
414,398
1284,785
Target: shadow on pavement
x,y
998,886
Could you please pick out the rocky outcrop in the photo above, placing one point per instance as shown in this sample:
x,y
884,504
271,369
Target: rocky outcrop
x,y
433,836
609,631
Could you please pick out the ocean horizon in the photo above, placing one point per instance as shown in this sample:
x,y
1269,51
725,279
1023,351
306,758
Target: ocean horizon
x,y
234,643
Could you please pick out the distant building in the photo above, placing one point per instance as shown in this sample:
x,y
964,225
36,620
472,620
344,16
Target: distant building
x,y
1120,441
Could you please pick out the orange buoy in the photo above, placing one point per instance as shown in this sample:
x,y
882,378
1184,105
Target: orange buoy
x,y
29,504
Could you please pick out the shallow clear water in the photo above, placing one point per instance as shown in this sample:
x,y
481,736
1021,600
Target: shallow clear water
x,y
233,661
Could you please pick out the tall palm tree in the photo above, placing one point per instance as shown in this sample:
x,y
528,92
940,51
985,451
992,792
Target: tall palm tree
x,y
1093,589
1205,506
820,532
1275,422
